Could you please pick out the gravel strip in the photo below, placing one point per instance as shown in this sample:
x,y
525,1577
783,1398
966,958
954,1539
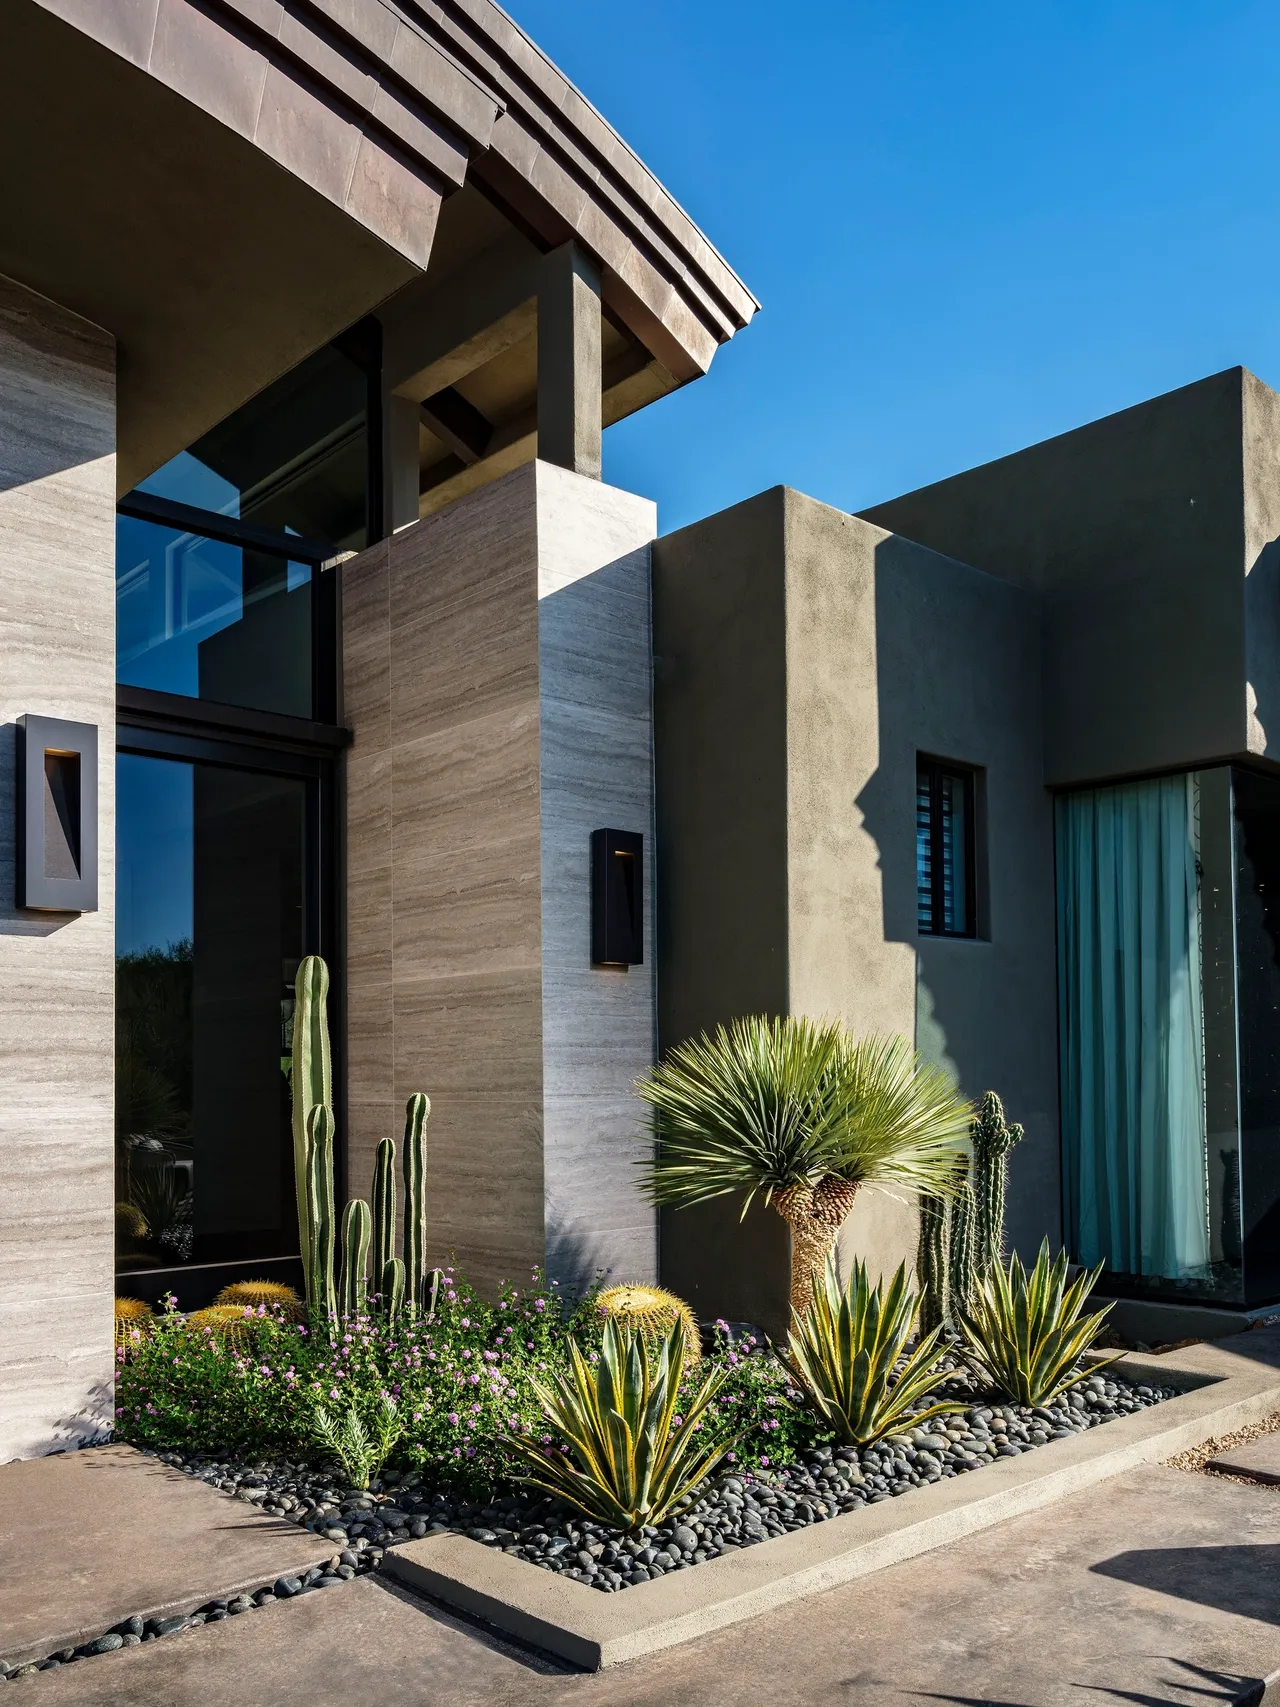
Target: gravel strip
x,y
136,1631
730,1512
1197,1457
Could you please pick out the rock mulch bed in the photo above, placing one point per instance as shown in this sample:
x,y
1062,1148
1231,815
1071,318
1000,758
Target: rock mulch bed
x,y
136,1631
732,1511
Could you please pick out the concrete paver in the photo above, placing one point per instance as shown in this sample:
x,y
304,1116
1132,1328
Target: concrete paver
x,y
87,1538
1156,1587
1258,1458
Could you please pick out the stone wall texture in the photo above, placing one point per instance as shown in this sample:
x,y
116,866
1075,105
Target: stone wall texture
x,y
496,662
57,640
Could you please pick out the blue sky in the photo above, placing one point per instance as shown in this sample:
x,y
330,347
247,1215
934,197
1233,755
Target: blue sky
x,y
970,226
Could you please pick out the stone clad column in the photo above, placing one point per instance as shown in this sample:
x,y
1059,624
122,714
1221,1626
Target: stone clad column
x,y
497,679
57,971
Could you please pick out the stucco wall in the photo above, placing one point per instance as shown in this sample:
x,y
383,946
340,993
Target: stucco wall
x,y
496,678
57,972
1131,529
804,657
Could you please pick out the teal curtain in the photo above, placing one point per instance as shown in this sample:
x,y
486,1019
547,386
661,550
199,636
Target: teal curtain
x,y
1132,1031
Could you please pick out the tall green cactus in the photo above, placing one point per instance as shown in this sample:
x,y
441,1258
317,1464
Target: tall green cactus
x,y
415,1200
310,1079
318,1210
357,1231
384,1208
391,1289
934,1262
961,1273
992,1141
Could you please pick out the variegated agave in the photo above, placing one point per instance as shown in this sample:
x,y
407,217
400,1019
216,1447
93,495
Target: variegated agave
x,y
1025,1334
846,1350
634,1448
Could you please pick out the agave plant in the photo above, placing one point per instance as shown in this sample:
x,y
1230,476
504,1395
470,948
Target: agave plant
x,y
800,1114
634,1446
846,1351
1025,1333
362,1451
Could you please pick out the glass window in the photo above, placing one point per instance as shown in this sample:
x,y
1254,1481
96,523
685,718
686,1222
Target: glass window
x,y
294,458
945,851
210,927
216,621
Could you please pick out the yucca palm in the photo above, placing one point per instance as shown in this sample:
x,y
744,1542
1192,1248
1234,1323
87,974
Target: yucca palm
x,y
800,1113
635,1448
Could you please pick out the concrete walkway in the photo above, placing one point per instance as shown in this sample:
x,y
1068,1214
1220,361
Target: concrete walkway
x,y
1158,1587
87,1538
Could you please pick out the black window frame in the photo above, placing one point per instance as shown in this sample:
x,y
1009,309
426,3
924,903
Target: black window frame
x,y
938,772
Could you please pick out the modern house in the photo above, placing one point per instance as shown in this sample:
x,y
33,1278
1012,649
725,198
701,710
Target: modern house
x,y
320,632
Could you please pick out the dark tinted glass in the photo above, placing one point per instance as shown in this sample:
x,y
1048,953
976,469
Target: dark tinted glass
x,y
196,616
294,458
944,850
209,932
1256,1188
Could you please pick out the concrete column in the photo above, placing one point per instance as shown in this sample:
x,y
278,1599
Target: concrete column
x,y
401,472
569,381
497,669
57,971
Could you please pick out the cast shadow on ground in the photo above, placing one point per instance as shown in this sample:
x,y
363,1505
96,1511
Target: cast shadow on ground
x,y
1244,1580
1198,1684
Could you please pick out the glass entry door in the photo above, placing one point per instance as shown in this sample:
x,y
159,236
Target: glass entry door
x,y
213,900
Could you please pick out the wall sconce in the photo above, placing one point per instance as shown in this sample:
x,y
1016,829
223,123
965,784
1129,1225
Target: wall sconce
x,y
57,865
617,898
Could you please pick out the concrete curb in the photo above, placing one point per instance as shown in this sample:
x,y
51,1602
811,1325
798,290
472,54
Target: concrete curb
x,y
1223,1391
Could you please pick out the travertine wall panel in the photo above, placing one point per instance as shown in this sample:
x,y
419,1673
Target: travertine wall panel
x,y
596,675
496,663
57,640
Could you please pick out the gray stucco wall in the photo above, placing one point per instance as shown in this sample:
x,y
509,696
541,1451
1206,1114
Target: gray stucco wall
x,y
57,971
1131,529
803,658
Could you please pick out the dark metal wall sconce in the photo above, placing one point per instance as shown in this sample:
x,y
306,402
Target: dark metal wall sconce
x,y
57,815
617,898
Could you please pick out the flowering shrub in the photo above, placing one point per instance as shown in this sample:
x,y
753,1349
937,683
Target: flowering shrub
x,y
461,1383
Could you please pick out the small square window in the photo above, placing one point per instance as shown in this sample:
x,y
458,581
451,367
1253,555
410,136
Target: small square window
x,y
945,850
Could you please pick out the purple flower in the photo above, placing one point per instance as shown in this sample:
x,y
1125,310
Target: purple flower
x,y
453,1419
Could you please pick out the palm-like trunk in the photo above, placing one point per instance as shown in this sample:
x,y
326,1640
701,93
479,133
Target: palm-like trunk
x,y
815,1215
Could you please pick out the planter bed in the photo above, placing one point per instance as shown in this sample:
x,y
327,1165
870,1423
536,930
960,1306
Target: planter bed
x,y
731,1512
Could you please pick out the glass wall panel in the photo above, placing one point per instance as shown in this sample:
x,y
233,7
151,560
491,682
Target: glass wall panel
x,y
200,617
294,458
1169,980
211,899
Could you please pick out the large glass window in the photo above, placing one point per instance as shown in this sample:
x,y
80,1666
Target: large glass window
x,y
1169,983
227,665
211,923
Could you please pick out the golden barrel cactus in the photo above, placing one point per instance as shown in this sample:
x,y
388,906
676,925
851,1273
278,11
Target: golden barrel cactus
x,y
227,1321
652,1312
252,1294
131,1313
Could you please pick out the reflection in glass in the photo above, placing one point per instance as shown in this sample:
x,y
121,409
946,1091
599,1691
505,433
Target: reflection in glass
x,y
294,458
210,907
199,617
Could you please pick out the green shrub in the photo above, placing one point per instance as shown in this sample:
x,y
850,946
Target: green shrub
x,y
850,1353
1025,1333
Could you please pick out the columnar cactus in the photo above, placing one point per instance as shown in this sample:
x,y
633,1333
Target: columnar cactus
x,y
391,1288
384,1208
310,1080
934,1262
415,1201
357,1231
961,1272
992,1141
318,1210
